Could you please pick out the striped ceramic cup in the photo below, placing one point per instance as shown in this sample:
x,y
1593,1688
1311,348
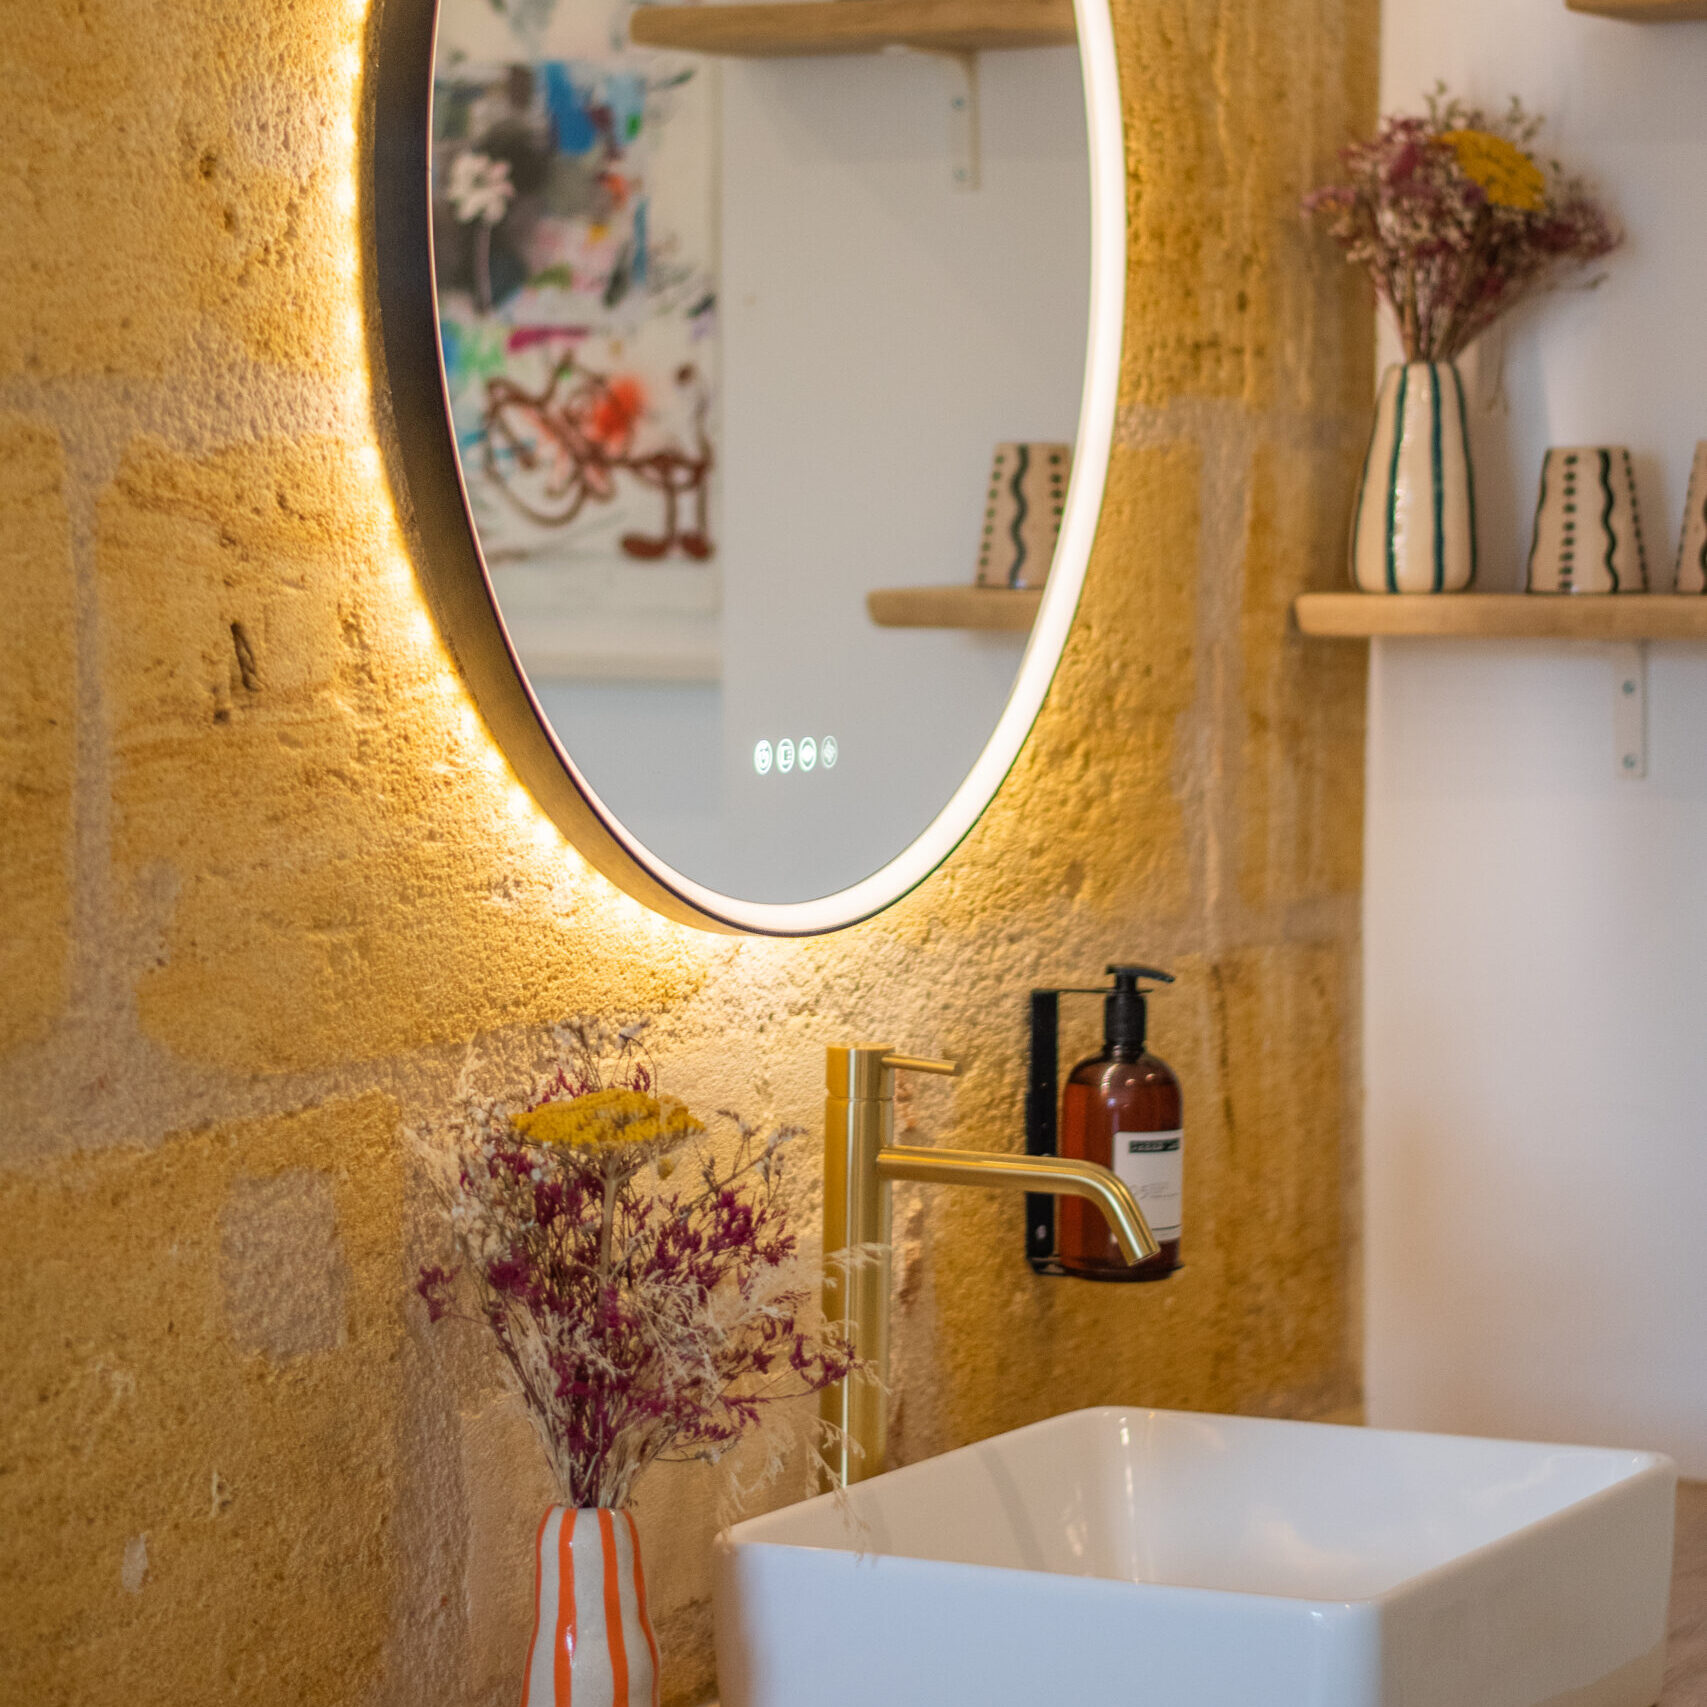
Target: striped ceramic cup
x,y
1588,534
592,1640
1692,542
1022,514
1414,526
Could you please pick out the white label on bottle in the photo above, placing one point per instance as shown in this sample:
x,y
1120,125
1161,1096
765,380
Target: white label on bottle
x,y
1151,1164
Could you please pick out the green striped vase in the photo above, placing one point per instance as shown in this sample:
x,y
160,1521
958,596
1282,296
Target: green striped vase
x,y
1413,529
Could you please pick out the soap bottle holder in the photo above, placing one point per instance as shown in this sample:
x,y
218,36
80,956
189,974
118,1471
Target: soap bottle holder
x,y
1042,1124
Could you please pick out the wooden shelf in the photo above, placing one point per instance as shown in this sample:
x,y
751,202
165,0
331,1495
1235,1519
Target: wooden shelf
x,y
1642,11
1505,616
956,607
788,27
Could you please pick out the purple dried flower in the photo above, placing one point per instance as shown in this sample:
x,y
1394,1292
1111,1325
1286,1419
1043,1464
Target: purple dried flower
x,y
432,1285
1455,222
641,1323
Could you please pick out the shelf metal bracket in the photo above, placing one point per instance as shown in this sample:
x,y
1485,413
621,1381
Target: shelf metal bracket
x,y
965,155
1630,709
960,74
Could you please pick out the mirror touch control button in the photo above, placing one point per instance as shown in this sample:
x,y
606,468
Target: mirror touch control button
x,y
785,756
762,758
808,753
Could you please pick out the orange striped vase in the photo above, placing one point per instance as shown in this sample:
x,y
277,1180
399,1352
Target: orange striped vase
x,y
592,1641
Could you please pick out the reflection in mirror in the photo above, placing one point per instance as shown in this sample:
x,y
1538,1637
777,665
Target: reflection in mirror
x,y
729,346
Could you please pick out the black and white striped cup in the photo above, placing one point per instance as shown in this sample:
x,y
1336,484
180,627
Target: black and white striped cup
x,y
1692,542
1588,534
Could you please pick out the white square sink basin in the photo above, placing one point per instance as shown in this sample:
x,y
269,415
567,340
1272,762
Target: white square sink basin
x,y
1131,1558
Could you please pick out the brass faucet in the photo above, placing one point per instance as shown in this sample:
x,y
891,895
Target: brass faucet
x,y
860,1160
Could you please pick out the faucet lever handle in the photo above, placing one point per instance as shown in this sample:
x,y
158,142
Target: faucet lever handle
x,y
917,1064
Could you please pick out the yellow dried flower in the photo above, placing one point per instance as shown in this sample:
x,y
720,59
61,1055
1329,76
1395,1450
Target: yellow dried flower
x,y
602,1121
1506,174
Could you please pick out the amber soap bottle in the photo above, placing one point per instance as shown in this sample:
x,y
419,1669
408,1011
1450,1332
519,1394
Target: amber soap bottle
x,y
1122,1108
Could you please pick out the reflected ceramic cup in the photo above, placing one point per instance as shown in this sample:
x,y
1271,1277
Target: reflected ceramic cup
x,y
1022,514
1692,543
1588,535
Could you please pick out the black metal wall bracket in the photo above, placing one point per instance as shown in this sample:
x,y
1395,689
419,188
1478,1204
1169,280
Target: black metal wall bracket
x,y
1042,1105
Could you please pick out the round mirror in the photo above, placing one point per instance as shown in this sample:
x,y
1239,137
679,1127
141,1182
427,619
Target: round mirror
x,y
753,372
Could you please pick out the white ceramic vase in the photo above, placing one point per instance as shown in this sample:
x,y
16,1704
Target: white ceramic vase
x,y
1413,529
592,1639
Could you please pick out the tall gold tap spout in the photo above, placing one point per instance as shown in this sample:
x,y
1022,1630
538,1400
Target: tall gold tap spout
x,y
1059,1176
860,1163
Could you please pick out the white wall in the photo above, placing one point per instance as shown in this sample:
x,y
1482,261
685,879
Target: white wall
x,y
1536,927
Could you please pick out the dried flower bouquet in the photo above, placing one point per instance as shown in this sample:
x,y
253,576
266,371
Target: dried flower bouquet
x,y
641,1321
1456,221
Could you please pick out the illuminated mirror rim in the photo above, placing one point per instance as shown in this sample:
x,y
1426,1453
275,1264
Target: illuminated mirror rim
x,y
427,479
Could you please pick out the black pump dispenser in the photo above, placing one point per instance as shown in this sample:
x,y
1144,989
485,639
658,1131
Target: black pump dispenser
x,y
1124,1011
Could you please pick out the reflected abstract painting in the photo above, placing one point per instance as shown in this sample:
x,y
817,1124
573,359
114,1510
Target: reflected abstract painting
x,y
574,241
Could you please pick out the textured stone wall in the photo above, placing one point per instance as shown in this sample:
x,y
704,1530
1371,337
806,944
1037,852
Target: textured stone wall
x,y
264,879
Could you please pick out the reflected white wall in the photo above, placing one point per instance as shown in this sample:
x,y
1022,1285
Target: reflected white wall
x,y
656,749
881,333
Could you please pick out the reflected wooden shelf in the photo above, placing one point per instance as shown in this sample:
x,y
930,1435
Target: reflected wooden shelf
x,y
1505,616
1642,11
788,27
1012,610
